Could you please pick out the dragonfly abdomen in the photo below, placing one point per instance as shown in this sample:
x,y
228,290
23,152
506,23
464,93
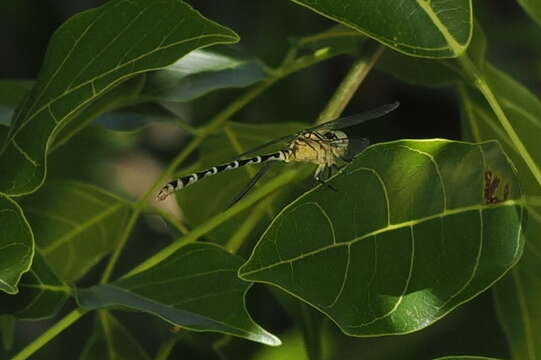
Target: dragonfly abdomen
x,y
188,180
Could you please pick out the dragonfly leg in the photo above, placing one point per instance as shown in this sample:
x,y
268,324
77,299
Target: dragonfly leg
x,y
319,170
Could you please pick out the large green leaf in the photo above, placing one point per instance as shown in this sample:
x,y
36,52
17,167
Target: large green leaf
x,y
410,234
437,28
111,341
75,225
88,55
200,72
41,293
518,296
16,245
434,72
195,288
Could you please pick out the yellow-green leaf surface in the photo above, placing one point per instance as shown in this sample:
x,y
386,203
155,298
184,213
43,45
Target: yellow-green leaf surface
x,y
533,8
75,225
112,341
16,245
196,288
410,234
518,296
427,28
41,293
87,56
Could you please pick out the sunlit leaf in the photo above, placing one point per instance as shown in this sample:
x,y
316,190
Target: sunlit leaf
x,y
16,245
75,225
41,293
87,56
410,234
437,28
111,341
195,288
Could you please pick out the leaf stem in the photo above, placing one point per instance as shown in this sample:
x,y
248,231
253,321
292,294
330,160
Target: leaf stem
x,y
106,275
166,347
256,196
351,82
51,333
481,84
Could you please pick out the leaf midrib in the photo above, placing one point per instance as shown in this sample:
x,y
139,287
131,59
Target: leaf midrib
x,y
409,223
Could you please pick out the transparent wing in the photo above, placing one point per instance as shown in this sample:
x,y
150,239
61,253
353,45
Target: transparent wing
x,y
355,146
356,119
332,125
283,139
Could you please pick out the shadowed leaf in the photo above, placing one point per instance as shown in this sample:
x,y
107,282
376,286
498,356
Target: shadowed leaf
x,y
16,245
87,56
195,288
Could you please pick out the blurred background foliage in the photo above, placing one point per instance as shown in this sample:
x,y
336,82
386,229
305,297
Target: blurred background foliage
x,y
265,29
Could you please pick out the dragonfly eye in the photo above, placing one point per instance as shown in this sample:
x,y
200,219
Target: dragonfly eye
x,y
330,136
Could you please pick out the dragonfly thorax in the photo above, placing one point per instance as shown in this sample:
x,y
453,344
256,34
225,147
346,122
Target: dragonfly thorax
x,y
322,148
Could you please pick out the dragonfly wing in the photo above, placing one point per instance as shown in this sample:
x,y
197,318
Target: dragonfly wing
x,y
259,148
356,119
355,146
264,168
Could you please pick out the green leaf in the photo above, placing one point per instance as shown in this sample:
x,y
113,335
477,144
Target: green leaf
x,y
111,341
433,72
16,245
200,72
437,28
41,293
75,225
518,296
115,98
533,8
87,56
408,236
195,288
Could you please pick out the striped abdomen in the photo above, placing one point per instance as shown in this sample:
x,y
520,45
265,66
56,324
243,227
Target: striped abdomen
x,y
188,180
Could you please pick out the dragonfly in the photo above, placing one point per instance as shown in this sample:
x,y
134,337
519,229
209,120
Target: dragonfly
x,y
324,145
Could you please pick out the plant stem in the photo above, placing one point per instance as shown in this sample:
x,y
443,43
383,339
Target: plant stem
x,y
50,334
256,196
120,246
481,84
166,347
232,109
347,88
